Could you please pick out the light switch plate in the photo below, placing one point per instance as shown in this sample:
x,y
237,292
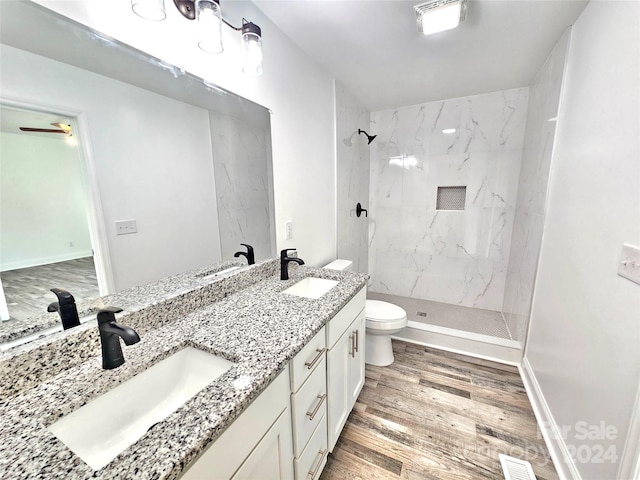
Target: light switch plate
x,y
124,227
630,263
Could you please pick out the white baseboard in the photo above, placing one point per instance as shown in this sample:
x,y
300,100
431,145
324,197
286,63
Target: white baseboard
x,y
36,262
562,461
466,343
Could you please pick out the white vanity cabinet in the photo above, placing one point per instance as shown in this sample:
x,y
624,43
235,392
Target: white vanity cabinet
x,y
345,363
258,444
309,408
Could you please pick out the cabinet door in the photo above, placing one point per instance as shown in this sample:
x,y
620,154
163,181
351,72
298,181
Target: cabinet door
x,y
272,459
356,363
338,361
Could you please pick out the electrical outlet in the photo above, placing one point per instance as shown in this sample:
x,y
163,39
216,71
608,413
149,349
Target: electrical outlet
x,y
629,266
124,227
288,228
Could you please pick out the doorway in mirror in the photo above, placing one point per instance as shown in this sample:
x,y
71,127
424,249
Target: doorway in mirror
x,y
45,233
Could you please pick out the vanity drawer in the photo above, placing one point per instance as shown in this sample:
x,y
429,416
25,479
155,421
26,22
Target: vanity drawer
x,y
310,464
304,362
309,406
338,324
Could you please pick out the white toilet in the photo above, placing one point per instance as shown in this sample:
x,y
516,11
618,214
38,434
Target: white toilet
x,y
383,320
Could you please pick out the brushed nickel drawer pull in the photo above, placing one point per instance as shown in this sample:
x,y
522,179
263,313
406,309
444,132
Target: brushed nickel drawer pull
x,y
322,398
315,360
357,340
353,346
314,472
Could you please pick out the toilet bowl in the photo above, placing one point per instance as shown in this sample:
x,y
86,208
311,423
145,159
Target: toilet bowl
x,y
383,319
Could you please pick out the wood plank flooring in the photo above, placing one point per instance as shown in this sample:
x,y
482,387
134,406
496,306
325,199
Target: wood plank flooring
x,y
438,415
27,290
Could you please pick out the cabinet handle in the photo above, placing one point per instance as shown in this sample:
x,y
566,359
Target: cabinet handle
x,y
314,472
312,414
357,340
315,360
353,346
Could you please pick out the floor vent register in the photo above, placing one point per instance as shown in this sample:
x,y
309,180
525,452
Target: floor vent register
x,y
516,469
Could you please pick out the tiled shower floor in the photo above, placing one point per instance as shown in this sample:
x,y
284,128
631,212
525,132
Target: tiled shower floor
x,y
474,320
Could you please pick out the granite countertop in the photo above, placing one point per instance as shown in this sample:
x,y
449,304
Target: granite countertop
x,y
257,327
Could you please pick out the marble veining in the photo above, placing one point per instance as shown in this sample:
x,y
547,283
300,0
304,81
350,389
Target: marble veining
x,y
418,251
253,325
244,184
352,178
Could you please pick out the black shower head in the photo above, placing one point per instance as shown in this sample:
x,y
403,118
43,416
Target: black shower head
x,y
369,137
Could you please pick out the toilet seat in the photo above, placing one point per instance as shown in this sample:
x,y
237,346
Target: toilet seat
x,y
384,316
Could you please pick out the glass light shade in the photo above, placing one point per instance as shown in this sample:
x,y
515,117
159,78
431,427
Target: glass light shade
x,y
441,19
149,9
252,49
209,26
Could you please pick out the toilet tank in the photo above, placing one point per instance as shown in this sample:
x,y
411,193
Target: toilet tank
x,y
343,265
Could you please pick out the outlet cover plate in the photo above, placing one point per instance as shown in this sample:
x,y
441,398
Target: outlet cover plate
x,y
629,266
124,227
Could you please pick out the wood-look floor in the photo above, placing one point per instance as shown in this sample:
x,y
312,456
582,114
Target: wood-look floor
x,y
438,415
27,290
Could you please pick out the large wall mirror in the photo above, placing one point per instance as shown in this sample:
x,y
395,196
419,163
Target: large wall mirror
x,y
185,164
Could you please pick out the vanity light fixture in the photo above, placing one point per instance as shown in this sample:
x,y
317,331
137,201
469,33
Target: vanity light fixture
x,y
208,16
439,15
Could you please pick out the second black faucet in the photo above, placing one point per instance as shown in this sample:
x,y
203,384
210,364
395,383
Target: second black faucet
x,y
284,263
110,334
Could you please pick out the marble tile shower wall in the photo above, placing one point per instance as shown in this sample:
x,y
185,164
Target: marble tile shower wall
x,y
352,179
544,99
243,185
457,257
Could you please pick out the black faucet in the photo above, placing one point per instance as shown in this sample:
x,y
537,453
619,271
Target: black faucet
x,y
284,263
66,308
248,254
110,333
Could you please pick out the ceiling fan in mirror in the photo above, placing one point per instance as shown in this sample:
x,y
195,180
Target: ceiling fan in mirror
x,y
62,128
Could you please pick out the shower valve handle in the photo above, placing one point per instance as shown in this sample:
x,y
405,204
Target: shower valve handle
x,y
359,211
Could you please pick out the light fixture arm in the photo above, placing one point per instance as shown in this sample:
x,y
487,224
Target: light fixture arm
x,y
237,29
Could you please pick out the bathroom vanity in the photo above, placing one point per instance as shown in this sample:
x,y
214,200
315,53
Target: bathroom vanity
x,y
297,366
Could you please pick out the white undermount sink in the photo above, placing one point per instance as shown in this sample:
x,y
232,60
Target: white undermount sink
x,y
311,287
107,425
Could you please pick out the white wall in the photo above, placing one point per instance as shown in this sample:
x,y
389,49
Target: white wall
x,y
298,92
544,99
43,217
418,251
167,187
584,337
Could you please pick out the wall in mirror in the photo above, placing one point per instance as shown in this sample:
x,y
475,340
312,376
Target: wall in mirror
x,y
190,163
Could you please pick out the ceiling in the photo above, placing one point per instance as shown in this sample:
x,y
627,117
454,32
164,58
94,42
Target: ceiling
x,y
374,49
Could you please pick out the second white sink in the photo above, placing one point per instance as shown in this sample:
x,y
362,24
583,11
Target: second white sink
x,y
311,287
107,425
